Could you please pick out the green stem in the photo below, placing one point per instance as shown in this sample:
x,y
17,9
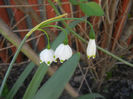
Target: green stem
x,y
114,56
66,39
11,65
56,10
54,7
44,22
82,39
46,36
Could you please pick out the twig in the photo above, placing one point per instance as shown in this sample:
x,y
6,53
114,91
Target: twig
x,y
15,64
23,18
84,78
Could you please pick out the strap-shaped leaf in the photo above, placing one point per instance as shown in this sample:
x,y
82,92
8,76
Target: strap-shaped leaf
x,y
91,9
35,82
55,85
20,80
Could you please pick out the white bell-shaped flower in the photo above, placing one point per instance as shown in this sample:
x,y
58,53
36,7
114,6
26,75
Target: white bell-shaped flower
x,y
91,48
63,52
47,56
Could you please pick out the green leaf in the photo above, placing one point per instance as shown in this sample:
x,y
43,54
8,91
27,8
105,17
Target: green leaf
x,y
20,80
90,96
35,82
5,91
91,9
55,85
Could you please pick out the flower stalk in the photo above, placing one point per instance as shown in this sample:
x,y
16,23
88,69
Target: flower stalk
x,y
66,38
19,48
11,65
45,22
48,46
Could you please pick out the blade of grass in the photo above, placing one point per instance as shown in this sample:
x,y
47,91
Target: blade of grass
x,y
35,82
20,80
55,85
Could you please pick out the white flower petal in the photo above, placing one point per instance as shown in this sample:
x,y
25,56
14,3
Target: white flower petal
x,y
63,52
57,51
68,52
91,48
47,56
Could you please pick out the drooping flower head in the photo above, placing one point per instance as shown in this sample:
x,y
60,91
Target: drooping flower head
x,y
91,48
47,56
63,52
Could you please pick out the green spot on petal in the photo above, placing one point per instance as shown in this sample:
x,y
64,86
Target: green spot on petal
x,y
61,61
40,61
94,56
53,56
55,60
48,62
